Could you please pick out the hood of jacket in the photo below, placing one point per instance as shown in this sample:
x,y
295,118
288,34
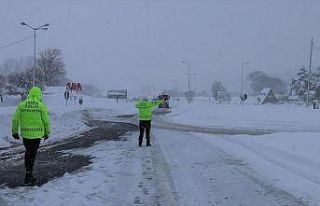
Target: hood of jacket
x,y
144,103
35,93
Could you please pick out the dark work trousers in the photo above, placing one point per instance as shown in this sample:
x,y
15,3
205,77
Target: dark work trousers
x,y
144,125
31,146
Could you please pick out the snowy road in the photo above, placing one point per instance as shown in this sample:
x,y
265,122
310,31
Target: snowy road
x,y
205,175
181,168
121,174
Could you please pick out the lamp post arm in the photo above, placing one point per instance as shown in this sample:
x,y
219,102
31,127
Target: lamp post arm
x,y
41,27
25,24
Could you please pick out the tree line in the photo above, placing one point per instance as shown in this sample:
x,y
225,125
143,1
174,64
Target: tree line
x,y
258,81
17,73
299,85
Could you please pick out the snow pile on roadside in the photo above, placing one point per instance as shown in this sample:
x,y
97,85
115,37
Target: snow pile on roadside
x,y
54,97
289,159
276,117
118,176
5,125
66,118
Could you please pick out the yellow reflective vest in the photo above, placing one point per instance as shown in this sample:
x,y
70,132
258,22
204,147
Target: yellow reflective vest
x,y
145,108
31,116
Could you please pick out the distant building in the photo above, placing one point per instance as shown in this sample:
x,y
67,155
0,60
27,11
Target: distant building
x,y
294,98
267,96
223,97
117,94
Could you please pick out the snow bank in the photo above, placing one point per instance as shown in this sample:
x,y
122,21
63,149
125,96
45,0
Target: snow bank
x,y
289,160
276,117
66,118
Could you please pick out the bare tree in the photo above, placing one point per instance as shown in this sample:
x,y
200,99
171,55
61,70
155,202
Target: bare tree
x,y
21,79
3,81
51,68
10,65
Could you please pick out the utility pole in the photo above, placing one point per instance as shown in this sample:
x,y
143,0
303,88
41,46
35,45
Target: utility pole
x,y
189,77
189,73
243,63
309,75
189,94
43,27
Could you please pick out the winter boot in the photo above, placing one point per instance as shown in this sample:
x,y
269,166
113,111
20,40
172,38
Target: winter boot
x,y
29,179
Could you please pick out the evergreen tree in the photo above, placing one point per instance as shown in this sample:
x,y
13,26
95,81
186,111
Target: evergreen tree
x,y
217,87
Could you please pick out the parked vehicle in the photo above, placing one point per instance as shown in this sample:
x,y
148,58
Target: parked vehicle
x,y
165,99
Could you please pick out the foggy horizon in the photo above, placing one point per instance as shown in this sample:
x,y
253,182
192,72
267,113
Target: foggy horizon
x,y
140,45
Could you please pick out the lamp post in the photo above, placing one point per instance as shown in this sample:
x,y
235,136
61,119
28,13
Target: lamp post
x,y
243,63
189,74
43,27
189,94
309,73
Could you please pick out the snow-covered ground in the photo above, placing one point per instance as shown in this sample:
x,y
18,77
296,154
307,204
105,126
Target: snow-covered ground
x,y
121,174
183,167
66,119
288,157
283,117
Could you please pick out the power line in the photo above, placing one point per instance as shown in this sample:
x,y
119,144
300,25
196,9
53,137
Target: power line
x,y
16,42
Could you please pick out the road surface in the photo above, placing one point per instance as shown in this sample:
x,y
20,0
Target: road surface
x,y
104,166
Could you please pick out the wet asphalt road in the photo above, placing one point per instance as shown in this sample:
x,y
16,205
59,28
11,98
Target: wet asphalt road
x,y
54,160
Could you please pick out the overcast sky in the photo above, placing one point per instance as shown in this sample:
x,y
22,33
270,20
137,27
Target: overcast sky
x,y
140,44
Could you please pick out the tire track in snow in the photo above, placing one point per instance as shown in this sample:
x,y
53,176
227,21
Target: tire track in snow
x,y
233,181
280,159
213,130
142,174
216,130
273,154
297,159
283,197
165,189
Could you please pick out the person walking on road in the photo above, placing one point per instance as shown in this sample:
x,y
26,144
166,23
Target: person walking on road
x,y
32,120
145,108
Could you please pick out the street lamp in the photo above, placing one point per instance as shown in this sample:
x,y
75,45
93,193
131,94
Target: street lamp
x,y
243,63
189,94
189,74
43,27
309,73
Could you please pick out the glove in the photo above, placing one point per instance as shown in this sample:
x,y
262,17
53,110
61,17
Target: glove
x,y
16,136
45,137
